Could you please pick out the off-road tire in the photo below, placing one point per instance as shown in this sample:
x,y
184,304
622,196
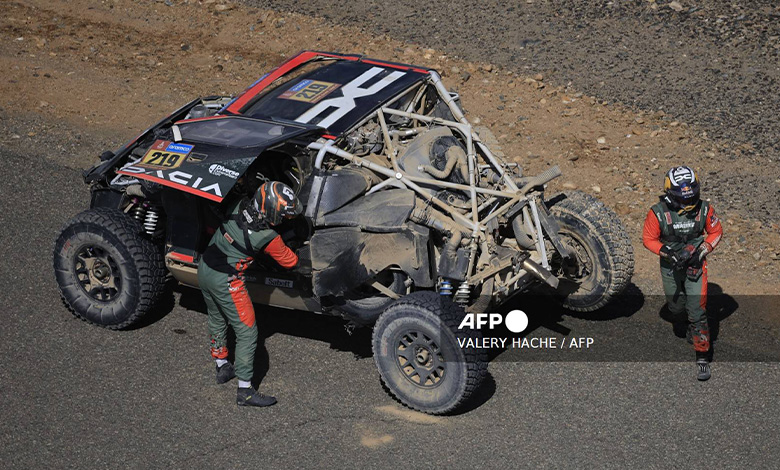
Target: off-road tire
x,y
600,232
434,320
136,261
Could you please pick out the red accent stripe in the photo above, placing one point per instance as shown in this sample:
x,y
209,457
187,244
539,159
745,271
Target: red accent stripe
x,y
240,297
396,66
197,192
181,257
328,136
250,93
247,95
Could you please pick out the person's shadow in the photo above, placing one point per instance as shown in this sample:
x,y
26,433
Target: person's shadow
x,y
719,307
273,320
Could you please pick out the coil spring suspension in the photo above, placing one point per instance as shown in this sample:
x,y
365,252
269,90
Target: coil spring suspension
x,y
147,214
445,288
150,221
463,293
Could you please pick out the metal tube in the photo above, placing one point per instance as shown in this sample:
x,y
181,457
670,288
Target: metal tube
x,y
388,143
539,235
407,132
458,114
387,182
397,175
486,204
321,154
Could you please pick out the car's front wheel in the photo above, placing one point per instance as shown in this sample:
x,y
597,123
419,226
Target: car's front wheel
x,y
107,272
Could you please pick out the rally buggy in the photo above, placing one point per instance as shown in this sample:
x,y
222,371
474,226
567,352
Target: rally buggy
x,y
412,216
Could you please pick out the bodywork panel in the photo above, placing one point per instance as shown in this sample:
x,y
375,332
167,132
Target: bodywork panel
x,y
212,153
344,258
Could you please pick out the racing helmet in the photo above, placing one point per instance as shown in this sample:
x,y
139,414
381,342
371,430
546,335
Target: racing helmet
x,y
682,188
274,201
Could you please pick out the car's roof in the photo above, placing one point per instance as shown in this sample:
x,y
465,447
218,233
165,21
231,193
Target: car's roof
x,y
336,95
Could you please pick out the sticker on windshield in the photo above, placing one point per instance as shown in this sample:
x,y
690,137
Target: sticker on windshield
x,y
309,91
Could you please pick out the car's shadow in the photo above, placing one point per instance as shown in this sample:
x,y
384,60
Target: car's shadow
x,y
334,331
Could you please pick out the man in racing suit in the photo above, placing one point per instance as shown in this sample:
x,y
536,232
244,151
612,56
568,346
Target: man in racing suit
x,y
221,277
682,229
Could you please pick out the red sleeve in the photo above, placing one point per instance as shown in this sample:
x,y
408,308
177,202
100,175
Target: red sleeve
x,y
651,233
280,252
713,228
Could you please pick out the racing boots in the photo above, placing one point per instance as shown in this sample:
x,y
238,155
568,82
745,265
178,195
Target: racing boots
x,y
251,397
225,373
703,369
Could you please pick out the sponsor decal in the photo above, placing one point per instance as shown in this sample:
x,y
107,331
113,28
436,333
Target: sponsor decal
x,y
179,148
178,177
351,91
714,221
288,192
309,91
272,281
668,217
219,170
229,238
681,174
680,225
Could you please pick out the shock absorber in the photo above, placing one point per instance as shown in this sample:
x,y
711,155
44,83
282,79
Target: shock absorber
x,y
150,221
463,293
139,210
445,288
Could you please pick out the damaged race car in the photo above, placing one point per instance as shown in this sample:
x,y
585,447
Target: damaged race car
x,y
412,217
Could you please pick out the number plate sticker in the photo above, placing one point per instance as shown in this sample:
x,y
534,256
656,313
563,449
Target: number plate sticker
x,y
309,91
166,155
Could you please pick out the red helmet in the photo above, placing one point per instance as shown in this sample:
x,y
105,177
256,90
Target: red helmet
x,y
274,201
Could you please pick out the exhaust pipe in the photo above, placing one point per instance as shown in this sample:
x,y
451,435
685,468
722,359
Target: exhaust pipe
x,y
540,272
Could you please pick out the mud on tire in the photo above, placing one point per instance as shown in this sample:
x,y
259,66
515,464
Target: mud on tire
x,y
603,249
107,272
416,350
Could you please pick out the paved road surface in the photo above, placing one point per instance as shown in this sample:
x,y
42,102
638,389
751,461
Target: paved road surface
x,y
74,395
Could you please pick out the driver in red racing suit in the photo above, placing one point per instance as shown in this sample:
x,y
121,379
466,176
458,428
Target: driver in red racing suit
x,y
682,229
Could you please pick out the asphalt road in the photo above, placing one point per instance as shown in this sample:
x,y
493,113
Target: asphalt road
x,y
74,395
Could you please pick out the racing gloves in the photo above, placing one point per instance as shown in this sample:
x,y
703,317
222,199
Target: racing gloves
x,y
678,259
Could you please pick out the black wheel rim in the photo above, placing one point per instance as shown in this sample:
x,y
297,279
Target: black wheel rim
x,y
97,273
419,359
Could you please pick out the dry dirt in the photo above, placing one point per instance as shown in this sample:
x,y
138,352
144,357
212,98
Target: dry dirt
x,y
83,76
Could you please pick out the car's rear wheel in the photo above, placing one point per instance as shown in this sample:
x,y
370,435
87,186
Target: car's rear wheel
x,y
603,258
107,272
418,351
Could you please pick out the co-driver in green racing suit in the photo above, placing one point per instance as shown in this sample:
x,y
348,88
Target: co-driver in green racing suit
x,y
221,278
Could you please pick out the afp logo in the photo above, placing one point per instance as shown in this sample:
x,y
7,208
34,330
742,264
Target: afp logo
x,y
515,321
